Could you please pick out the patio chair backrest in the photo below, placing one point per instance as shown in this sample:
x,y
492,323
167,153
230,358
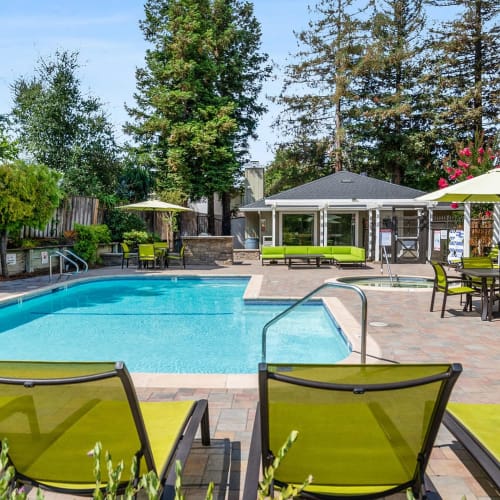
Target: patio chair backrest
x,y
476,262
440,277
53,413
360,427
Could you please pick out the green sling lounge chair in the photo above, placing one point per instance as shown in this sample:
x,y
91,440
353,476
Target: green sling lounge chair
x,y
364,431
477,427
53,413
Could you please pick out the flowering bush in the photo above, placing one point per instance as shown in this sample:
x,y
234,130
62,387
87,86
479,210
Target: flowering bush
x,y
473,159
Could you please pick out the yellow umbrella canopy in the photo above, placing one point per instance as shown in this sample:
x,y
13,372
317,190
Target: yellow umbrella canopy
x,y
484,188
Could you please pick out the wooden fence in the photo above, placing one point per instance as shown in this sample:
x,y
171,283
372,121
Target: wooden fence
x,y
74,210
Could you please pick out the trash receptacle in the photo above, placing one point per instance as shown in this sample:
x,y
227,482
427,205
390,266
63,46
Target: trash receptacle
x,y
252,243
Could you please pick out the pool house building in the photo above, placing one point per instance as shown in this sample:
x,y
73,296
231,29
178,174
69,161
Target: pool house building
x,y
343,208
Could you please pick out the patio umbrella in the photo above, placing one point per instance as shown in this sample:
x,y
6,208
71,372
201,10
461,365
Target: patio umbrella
x,y
156,206
484,188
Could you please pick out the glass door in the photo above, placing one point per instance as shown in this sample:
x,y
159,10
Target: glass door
x,y
340,229
298,229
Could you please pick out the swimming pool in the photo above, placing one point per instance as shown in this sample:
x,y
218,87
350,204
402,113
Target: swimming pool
x,y
166,325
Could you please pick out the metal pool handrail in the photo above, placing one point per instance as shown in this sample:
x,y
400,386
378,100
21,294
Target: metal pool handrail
x,y
364,306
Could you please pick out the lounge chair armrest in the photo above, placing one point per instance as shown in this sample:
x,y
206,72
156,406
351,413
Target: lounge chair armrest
x,y
254,461
199,418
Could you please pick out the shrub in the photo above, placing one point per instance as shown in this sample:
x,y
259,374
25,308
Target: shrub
x,y
133,238
120,222
88,239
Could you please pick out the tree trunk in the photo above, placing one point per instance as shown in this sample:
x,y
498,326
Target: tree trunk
x,y
210,215
3,252
226,214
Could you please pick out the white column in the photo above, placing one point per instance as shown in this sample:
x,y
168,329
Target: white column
x,y
430,235
377,233
370,234
324,229
496,224
467,217
273,218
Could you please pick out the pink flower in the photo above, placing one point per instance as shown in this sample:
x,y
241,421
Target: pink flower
x,y
454,205
442,183
463,164
481,151
465,152
487,213
458,172
469,176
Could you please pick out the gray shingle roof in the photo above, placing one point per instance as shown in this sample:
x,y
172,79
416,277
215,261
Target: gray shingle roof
x,y
345,185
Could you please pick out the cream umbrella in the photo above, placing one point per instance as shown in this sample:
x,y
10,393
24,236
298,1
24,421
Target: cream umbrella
x,y
156,206
484,188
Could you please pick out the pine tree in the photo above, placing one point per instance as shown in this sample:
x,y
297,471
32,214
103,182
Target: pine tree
x,y
196,103
465,71
387,129
320,85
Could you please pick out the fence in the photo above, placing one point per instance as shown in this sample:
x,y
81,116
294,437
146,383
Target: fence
x,y
481,232
74,210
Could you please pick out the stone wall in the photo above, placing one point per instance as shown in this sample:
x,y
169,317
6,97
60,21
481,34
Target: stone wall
x,y
204,250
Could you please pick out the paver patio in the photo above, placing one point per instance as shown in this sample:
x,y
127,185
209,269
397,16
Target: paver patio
x,y
400,325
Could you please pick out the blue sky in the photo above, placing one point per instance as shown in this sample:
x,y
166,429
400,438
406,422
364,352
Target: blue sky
x,y
107,36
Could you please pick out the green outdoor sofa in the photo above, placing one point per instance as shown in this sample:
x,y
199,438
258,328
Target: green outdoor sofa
x,y
340,255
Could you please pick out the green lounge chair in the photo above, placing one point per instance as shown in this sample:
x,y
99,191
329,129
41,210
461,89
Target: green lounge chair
x,y
53,413
364,431
477,427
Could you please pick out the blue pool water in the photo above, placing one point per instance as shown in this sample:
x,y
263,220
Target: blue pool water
x,y
171,325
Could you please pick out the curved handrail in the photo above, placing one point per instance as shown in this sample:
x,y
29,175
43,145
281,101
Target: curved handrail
x,y
77,258
364,307
64,256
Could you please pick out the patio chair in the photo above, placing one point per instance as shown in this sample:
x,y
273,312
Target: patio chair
x,y
476,426
364,431
177,257
147,254
449,286
127,254
161,250
53,413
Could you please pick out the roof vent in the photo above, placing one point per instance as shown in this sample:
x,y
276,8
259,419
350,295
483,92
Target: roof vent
x,y
346,181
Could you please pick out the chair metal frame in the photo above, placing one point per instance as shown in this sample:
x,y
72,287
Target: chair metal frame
x,y
442,284
197,417
261,455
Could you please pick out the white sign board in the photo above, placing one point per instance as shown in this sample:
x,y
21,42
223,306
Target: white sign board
x,y
11,259
44,256
456,245
385,237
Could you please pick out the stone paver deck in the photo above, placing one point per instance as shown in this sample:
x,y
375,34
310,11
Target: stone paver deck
x,y
400,328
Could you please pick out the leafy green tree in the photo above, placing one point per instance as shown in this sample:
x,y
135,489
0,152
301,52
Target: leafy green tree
x,y
61,127
196,98
29,194
8,147
295,164
464,75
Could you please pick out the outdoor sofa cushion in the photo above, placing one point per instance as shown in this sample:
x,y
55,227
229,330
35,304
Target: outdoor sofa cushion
x,y
272,253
